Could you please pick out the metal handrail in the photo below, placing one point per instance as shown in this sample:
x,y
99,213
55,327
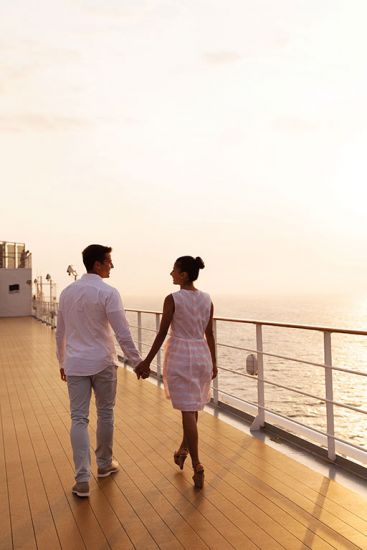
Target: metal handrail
x,y
267,354
303,361
292,325
270,323
46,312
271,383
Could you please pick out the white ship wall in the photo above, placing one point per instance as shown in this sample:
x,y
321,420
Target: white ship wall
x,y
15,304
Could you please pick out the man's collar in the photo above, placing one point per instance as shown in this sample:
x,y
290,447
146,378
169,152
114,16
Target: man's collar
x,y
89,275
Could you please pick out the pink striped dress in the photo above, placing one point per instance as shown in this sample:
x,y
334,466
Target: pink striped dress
x,y
187,366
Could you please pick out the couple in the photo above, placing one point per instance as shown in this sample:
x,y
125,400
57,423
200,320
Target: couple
x,y
88,309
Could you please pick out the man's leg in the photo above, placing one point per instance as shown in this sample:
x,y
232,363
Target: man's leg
x,y
104,385
80,390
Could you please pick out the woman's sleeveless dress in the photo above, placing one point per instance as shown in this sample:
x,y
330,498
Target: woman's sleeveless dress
x,y
187,367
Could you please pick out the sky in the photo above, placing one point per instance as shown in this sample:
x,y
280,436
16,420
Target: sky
x,y
235,131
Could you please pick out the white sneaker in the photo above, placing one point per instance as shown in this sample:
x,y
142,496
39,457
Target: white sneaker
x,y
81,489
111,469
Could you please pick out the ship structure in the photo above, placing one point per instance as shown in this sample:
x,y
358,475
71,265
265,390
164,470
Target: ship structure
x,y
15,280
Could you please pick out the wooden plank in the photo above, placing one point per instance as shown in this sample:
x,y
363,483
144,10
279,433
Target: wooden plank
x,y
253,497
20,368
232,530
5,525
160,530
347,525
87,524
66,527
235,509
295,474
44,528
134,527
20,516
330,533
101,507
162,477
203,511
82,509
182,531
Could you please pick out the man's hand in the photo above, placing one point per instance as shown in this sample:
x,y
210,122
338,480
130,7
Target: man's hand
x,y
142,370
62,375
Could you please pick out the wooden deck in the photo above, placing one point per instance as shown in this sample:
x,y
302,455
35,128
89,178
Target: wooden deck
x,y
254,496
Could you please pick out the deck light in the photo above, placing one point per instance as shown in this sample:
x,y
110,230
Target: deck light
x,y
71,271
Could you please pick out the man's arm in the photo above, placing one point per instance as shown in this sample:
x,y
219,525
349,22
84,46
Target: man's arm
x,y
60,343
121,329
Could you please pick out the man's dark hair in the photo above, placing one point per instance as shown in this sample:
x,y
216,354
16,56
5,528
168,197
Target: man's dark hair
x,y
190,265
94,253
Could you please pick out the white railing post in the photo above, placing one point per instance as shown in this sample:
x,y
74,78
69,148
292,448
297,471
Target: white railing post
x,y
140,347
259,421
159,368
216,379
329,396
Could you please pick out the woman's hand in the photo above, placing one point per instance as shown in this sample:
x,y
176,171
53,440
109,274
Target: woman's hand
x,y
142,370
214,372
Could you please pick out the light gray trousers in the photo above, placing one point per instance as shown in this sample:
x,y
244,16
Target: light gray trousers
x,y
80,391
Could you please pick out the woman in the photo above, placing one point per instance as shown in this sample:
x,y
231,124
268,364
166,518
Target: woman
x,y
190,362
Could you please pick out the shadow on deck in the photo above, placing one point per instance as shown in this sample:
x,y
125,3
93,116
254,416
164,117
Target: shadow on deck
x,y
254,496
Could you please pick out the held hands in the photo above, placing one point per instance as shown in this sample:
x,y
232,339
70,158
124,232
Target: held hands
x,y
142,370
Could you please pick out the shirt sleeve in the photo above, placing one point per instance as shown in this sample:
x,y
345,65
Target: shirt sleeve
x,y
117,319
60,338
114,302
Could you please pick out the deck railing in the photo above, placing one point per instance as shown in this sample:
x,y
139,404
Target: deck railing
x,y
261,365
257,369
46,312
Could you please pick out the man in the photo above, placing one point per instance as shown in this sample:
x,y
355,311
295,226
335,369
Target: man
x,y
88,308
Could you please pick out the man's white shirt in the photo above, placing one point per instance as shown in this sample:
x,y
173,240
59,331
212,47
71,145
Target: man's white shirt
x,y
88,308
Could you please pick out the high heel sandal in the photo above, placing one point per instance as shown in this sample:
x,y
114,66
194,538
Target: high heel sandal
x,y
198,476
180,456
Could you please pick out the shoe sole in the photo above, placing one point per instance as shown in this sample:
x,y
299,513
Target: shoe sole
x,y
108,473
79,494
179,460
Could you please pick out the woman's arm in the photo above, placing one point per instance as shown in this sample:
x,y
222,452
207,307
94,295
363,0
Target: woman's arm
x,y
168,311
211,341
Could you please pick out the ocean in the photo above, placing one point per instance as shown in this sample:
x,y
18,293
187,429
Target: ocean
x,y
327,311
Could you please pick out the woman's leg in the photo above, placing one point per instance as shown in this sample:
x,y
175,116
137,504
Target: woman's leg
x,y
190,429
184,443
